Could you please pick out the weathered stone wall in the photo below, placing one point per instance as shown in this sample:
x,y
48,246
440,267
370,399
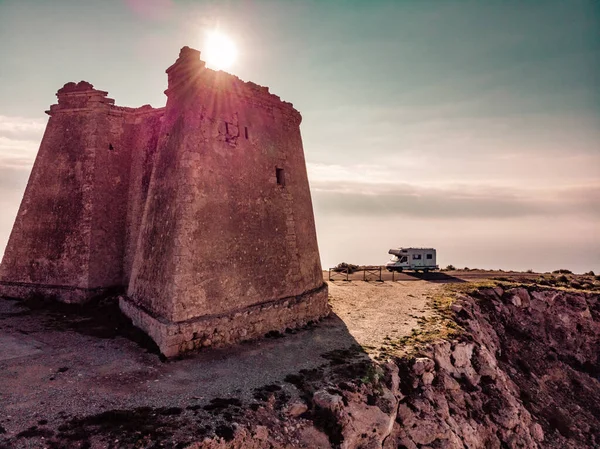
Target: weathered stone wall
x,y
142,132
49,245
109,202
230,237
72,236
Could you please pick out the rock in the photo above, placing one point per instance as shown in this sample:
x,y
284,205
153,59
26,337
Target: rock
x,y
537,432
313,438
356,419
407,443
455,307
508,417
388,401
449,383
467,429
422,365
295,409
538,304
328,401
546,296
488,292
519,297
441,355
406,416
428,378
391,377
427,432
261,433
462,354
487,362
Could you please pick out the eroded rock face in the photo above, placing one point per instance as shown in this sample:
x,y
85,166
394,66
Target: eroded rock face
x,y
524,374
548,343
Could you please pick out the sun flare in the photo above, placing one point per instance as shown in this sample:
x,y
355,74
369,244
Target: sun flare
x,y
220,51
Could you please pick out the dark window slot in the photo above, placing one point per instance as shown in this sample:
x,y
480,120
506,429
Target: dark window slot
x,y
280,175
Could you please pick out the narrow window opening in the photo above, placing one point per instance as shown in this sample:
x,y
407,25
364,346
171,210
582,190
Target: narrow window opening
x,y
226,128
246,132
280,175
110,147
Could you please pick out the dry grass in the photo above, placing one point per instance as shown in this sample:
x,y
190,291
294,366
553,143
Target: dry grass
x,y
440,325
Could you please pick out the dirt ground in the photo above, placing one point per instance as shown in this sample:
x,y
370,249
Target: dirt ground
x,y
376,311
61,368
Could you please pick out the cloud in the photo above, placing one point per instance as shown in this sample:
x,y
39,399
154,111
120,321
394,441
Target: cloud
x,y
360,197
21,128
12,185
19,141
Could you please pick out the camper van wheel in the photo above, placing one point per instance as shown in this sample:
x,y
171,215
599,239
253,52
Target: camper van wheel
x,y
399,270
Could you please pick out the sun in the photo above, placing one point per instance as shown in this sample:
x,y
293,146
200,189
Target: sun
x,y
220,51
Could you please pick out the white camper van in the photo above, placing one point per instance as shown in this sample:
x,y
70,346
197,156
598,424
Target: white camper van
x,y
417,259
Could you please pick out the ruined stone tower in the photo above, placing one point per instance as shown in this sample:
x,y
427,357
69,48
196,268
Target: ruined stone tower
x,y
200,211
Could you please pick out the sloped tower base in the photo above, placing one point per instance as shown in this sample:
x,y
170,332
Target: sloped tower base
x,y
221,330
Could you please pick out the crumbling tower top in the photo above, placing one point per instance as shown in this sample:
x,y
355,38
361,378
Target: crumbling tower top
x,y
81,95
189,73
185,70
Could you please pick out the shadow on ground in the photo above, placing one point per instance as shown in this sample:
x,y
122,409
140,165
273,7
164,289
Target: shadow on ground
x,y
435,276
71,373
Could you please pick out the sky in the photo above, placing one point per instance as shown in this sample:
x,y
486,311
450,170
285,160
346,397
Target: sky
x,y
468,126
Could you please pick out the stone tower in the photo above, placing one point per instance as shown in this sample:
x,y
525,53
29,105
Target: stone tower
x,y
200,211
